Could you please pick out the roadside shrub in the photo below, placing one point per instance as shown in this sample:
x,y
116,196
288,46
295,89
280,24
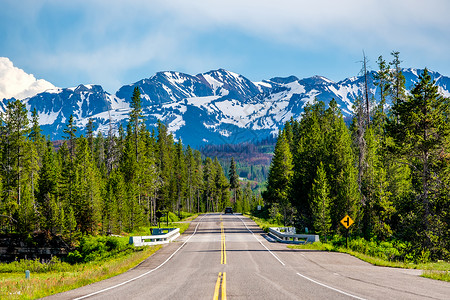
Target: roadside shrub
x,y
74,257
385,250
323,246
338,240
173,217
275,215
185,215
358,245
406,251
34,266
93,248
389,251
423,257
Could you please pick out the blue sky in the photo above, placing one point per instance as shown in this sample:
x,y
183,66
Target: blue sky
x,y
113,43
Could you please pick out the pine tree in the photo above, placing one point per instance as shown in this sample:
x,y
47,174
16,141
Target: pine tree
x,y
37,150
18,157
366,90
111,151
397,80
382,80
29,181
47,187
135,117
359,130
86,202
280,174
378,207
90,135
310,148
130,171
221,186
70,222
70,132
234,178
36,134
340,166
190,171
149,175
209,173
110,216
420,134
198,178
164,161
17,126
68,165
248,198
321,202
180,174
115,208
99,153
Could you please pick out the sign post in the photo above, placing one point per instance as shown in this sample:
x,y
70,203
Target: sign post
x,y
347,222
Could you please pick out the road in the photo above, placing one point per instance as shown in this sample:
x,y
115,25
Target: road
x,y
227,257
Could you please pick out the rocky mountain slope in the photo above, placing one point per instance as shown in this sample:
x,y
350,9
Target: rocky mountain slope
x,y
215,107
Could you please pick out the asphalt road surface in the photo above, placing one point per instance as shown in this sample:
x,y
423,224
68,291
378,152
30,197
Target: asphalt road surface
x,y
228,257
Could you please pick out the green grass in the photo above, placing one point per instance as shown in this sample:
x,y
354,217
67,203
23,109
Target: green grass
x,y
99,258
434,270
15,286
264,223
175,223
386,254
438,275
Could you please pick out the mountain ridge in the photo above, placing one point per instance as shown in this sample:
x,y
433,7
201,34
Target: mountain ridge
x,y
215,107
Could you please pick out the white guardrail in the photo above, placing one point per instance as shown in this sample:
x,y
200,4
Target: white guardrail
x,y
288,235
160,236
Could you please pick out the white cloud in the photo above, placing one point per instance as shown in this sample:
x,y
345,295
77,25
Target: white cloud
x,y
110,38
14,82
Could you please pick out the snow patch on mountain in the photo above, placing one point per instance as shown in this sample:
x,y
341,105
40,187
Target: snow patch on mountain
x,y
218,106
215,84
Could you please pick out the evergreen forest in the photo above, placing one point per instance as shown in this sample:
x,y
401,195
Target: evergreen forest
x,y
389,170
104,184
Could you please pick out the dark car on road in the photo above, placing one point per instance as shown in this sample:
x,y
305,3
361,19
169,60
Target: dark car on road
x,y
228,210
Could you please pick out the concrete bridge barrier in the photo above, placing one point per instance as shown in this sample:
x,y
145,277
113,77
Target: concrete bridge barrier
x,y
289,236
159,236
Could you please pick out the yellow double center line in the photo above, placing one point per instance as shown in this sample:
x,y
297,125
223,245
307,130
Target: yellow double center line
x,y
221,284
223,252
221,287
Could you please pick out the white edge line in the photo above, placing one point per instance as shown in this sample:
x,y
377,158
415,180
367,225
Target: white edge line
x,y
142,275
262,243
329,287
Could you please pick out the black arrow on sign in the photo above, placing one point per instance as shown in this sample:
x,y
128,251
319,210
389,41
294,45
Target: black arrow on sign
x,y
347,221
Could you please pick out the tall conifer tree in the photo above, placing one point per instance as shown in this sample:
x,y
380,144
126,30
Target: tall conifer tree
x,y
280,174
321,202
234,178
421,136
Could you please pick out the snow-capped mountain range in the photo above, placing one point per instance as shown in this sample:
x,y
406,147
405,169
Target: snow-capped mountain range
x,y
213,107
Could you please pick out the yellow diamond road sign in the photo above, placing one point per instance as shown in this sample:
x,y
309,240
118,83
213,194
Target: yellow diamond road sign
x,y
347,221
